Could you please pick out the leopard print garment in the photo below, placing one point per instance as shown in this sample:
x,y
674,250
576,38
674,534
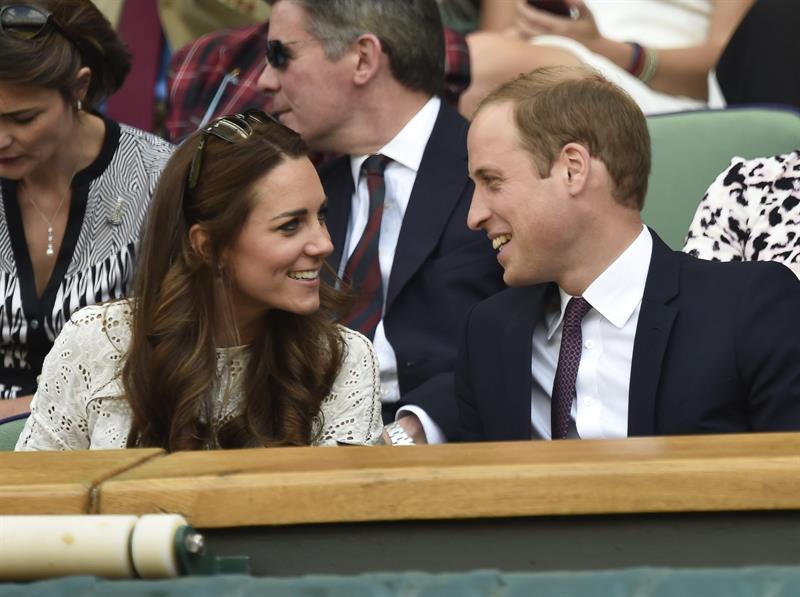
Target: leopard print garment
x,y
751,212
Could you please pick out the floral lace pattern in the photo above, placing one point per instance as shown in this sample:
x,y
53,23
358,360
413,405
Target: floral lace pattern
x,y
80,402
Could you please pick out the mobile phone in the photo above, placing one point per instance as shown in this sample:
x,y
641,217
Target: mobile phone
x,y
556,7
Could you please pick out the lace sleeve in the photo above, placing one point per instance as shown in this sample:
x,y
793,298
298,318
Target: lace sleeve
x,y
83,359
351,413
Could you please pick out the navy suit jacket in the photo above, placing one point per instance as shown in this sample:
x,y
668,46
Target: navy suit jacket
x,y
717,350
441,269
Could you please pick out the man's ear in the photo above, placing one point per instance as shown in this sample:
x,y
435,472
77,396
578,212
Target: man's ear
x,y
369,53
576,163
200,240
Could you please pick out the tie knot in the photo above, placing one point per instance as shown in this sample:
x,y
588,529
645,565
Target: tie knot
x,y
576,310
375,164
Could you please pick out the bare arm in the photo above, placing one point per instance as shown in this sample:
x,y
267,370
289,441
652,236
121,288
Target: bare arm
x,y
681,71
15,406
684,71
497,15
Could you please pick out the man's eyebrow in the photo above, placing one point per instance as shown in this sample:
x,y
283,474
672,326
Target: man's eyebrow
x,y
485,172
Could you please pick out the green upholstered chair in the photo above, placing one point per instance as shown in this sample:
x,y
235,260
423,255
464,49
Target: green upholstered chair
x,y
10,429
691,148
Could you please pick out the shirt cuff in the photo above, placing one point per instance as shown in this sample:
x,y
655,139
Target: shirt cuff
x,y
433,433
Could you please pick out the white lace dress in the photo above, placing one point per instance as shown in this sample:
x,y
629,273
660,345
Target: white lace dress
x,y
80,402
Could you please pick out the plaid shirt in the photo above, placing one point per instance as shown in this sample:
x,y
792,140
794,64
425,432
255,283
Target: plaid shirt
x,y
217,75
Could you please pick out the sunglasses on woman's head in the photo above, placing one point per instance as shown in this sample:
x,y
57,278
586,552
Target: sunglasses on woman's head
x,y
231,129
23,21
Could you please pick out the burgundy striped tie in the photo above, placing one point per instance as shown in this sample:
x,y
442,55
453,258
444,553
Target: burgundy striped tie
x,y
363,270
569,359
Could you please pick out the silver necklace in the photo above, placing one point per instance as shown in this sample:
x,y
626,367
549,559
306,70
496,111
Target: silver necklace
x,y
50,236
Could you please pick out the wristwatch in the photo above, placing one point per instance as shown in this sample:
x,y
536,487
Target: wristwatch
x,y
398,435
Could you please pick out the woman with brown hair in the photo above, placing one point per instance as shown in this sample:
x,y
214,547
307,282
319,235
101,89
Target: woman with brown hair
x,y
74,186
229,340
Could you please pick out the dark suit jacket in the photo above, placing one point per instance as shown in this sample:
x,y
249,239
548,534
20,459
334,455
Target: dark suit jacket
x,y
441,269
717,350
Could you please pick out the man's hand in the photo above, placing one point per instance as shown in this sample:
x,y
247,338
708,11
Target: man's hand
x,y
411,424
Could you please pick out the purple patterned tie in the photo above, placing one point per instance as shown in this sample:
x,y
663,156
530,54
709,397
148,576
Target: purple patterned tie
x,y
569,358
363,269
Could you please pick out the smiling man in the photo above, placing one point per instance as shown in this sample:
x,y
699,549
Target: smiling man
x,y
606,332
363,78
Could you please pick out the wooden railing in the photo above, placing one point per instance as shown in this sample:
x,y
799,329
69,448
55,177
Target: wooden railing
x,y
498,480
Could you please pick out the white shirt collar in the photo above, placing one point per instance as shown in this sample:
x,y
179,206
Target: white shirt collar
x,y
617,291
405,148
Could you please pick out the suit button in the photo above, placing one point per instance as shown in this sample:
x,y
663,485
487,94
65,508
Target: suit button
x,y
34,324
409,363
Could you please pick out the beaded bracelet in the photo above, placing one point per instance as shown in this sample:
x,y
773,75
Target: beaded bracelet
x,y
644,62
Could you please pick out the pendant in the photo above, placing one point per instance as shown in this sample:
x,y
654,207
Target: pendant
x,y
50,250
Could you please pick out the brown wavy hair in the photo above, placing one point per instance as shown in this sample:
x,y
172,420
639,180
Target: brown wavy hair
x,y
50,60
170,369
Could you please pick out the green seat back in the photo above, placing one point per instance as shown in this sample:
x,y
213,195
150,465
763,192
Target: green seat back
x,y
691,148
9,433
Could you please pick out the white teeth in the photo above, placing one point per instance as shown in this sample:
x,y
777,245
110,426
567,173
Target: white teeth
x,y
499,241
306,275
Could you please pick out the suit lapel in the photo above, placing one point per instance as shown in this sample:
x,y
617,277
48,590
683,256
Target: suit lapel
x,y
439,184
527,310
337,181
656,319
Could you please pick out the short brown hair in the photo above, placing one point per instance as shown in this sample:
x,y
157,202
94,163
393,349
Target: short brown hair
x,y
51,61
557,105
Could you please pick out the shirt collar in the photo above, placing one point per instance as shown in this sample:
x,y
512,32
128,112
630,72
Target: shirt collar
x,y
405,148
617,291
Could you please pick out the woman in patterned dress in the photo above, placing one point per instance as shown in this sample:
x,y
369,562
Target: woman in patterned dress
x,y
230,338
74,186
751,212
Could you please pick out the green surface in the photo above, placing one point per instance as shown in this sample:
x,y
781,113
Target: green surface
x,y
9,433
690,149
639,582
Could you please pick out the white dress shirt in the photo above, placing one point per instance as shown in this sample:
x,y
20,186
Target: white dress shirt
x,y
405,151
608,330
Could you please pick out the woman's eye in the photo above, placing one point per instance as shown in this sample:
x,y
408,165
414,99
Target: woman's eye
x,y
322,214
23,118
290,226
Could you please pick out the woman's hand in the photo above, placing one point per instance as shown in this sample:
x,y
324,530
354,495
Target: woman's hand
x,y
531,22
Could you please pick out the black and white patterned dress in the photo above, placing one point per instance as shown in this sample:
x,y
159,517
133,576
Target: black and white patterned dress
x,y
95,262
751,212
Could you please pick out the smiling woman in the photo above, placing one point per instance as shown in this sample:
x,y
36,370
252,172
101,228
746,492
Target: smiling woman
x,y
230,340
74,186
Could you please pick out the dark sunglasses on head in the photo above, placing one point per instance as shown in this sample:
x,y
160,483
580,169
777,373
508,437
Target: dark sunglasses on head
x,y
231,129
23,21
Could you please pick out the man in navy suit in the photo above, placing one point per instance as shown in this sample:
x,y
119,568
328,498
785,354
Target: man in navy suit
x,y
606,332
360,78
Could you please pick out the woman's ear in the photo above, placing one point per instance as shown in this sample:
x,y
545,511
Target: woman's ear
x,y
81,86
200,240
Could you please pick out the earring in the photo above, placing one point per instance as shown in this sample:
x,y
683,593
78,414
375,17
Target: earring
x,y
78,105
